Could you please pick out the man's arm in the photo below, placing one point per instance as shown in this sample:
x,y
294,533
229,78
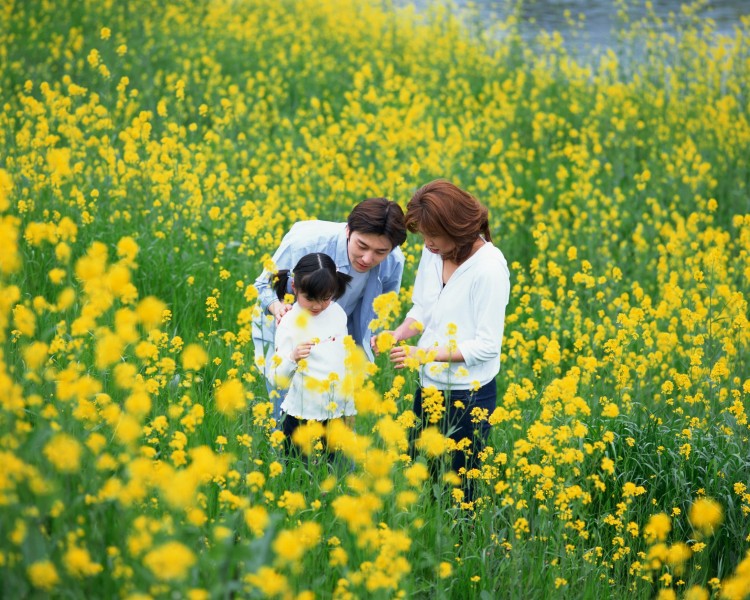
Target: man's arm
x,y
286,256
392,279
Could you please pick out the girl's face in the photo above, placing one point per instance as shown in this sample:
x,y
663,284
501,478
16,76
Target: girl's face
x,y
314,307
438,244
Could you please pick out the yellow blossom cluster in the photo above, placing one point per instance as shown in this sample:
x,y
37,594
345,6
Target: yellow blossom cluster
x,y
153,156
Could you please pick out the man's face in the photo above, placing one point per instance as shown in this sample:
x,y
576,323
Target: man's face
x,y
367,250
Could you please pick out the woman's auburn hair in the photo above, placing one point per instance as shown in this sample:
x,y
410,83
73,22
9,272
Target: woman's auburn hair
x,y
441,208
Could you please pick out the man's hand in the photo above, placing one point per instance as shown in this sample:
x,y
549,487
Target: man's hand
x,y
383,342
278,309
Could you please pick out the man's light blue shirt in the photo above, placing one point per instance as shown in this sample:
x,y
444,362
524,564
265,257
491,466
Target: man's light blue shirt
x,y
329,238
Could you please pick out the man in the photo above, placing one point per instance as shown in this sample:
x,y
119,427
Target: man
x,y
366,247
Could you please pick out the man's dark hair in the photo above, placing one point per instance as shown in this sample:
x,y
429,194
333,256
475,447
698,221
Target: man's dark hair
x,y
381,217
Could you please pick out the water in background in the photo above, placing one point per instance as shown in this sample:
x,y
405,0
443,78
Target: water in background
x,y
595,31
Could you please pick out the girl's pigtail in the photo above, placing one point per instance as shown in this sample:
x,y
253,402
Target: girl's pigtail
x,y
279,282
342,280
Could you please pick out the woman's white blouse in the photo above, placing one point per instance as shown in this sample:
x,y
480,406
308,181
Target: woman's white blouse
x,y
472,304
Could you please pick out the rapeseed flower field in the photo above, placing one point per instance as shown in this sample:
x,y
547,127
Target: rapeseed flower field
x,y
152,154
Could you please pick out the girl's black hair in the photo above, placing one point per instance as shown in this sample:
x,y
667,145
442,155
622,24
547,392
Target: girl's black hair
x,y
315,275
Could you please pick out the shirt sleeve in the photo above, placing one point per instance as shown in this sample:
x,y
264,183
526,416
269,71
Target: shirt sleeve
x,y
417,311
489,298
290,250
392,280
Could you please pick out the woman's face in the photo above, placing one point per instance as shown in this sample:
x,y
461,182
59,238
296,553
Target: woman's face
x,y
438,244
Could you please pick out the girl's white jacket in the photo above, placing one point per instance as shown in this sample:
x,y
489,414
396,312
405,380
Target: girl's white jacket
x,y
315,385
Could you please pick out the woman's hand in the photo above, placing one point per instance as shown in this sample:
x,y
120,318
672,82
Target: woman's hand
x,y
399,354
302,351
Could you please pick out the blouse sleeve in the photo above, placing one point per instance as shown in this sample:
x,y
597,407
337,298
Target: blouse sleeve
x,y
488,300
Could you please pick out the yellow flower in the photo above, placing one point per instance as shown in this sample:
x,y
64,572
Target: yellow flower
x,y
138,404
35,354
256,519
666,594
357,511
269,581
6,187
432,442
552,353
65,299
416,474
56,275
127,250
64,452
67,230
43,575
696,592
78,563
385,306
194,357
230,397
291,545
378,462
445,570
293,502
657,528
302,319
384,341
58,162
678,554
24,320
109,349
338,557
608,465
520,527
406,499
705,515
629,489
170,561
307,435
150,311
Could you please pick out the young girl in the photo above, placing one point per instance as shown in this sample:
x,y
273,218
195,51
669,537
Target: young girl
x,y
309,343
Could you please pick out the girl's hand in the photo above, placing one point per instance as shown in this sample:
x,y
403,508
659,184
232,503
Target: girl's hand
x,y
302,351
399,354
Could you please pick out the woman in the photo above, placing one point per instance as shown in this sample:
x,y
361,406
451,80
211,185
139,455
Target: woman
x,y
459,299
